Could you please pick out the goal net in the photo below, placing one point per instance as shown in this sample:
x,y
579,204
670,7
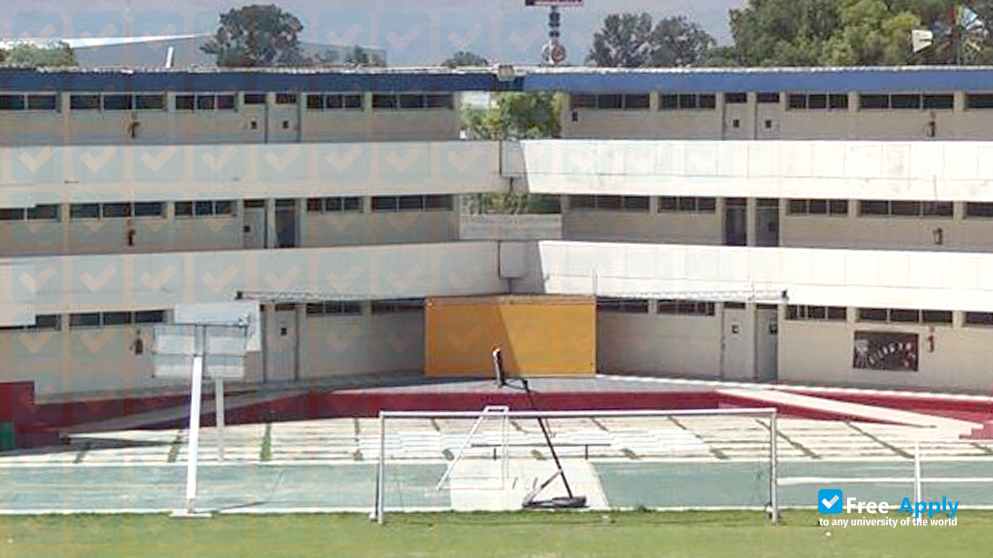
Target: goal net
x,y
497,459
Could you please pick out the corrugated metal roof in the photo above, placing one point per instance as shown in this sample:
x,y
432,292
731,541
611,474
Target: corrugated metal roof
x,y
590,80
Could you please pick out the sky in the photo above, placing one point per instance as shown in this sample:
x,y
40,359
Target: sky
x,y
413,32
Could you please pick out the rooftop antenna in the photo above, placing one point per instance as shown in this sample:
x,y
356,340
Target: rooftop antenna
x,y
553,53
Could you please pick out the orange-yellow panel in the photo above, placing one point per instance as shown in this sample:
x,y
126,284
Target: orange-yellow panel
x,y
537,335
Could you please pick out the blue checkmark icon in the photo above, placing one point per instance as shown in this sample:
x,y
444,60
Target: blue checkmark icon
x,y
830,500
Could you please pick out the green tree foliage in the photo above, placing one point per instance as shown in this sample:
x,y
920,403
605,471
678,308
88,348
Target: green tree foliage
x,y
257,35
31,55
465,58
359,56
633,41
856,32
515,116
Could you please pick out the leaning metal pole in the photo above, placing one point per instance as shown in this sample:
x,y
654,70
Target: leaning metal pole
x,y
773,468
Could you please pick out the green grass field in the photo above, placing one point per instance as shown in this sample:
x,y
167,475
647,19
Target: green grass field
x,y
546,535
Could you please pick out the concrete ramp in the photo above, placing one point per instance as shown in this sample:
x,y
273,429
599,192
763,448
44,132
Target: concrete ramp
x,y
830,408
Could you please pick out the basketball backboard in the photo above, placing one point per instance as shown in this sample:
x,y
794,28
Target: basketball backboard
x,y
224,313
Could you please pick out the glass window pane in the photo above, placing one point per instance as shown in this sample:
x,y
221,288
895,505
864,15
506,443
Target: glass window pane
x,y
11,214
975,209
315,205
411,101
384,203
767,97
838,101
117,210
708,101
607,102
149,317
687,204
204,208
41,102
979,101
904,315
905,208
636,102
225,102
84,102
839,207
185,102
411,203
150,102
608,202
817,207
582,202
735,98
817,101
316,102
353,204
117,318
254,98
979,318
939,102
184,209
332,204
937,209
797,207
796,101
636,203
44,212
440,101
937,316
874,207
706,205
905,101
688,101
352,101
206,102
11,102
837,313
582,101
384,101
668,102
47,321
872,314
667,203
874,101
224,207
90,319
441,202
286,98
84,211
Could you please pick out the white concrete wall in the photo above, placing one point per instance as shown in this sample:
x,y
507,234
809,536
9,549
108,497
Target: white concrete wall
x,y
366,344
866,278
659,344
641,226
821,353
76,174
948,171
510,227
156,281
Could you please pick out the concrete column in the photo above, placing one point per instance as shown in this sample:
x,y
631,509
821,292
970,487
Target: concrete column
x,y
752,221
301,341
270,218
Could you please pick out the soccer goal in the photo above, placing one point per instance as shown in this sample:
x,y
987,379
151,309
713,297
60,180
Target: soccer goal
x,y
498,459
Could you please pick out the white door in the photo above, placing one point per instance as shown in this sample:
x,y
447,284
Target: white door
x,y
737,345
767,343
253,227
282,347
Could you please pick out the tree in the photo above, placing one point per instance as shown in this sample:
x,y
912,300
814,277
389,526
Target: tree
x,y
58,54
516,116
257,35
465,58
631,41
784,32
359,56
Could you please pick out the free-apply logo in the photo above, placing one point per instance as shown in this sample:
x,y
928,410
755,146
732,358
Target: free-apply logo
x,y
830,501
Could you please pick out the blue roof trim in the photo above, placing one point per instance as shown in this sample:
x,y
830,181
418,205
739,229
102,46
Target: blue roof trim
x,y
688,81
31,80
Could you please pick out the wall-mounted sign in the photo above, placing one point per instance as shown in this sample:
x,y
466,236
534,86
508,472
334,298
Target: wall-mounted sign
x,y
886,350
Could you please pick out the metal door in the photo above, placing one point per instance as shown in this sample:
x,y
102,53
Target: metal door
x,y
282,346
253,227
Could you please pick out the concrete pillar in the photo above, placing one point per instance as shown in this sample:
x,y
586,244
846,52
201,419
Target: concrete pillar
x,y
752,221
301,341
270,218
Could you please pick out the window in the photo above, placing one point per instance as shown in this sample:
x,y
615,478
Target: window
x,y
818,207
636,102
623,305
410,101
817,101
735,98
438,202
84,102
41,321
767,98
11,102
334,307
609,203
84,211
825,313
334,102
225,102
384,101
150,102
442,101
12,214
905,102
185,102
384,203
315,102
686,307
90,319
41,102
688,101
687,204
118,102
979,318
979,100
204,208
116,210
582,101
872,314
253,98
979,210
43,213
939,102
149,209
612,101
936,316
397,305
334,205
205,102
874,101
117,318
900,208
149,317
286,98
410,203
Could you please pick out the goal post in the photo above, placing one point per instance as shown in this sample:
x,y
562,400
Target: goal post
x,y
592,446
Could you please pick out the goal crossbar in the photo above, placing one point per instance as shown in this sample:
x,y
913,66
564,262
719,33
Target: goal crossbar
x,y
379,508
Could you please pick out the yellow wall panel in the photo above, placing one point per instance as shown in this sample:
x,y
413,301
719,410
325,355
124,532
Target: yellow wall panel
x,y
538,335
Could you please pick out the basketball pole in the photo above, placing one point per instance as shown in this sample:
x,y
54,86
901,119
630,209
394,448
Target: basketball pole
x,y
194,444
